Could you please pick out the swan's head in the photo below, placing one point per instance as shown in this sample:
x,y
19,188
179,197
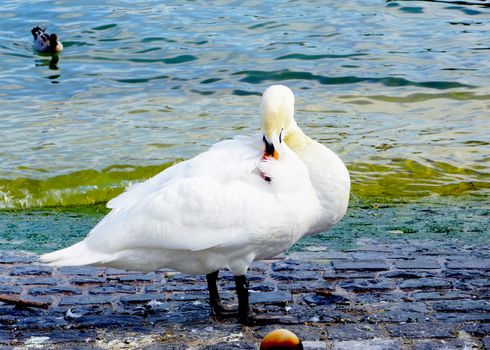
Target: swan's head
x,y
276,110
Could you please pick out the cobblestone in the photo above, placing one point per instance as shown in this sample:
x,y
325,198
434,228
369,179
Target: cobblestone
x,y
421,330
296,276
86,300
426,264
360,286
141,298
279,297
110,289
30,270
9,289
462,306
353,331
382,295
426,283
378,344
476,264
328,299
362,265
452,294
10,258
486,342
38,281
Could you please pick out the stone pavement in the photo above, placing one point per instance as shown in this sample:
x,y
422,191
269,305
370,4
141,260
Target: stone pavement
x,y
401,294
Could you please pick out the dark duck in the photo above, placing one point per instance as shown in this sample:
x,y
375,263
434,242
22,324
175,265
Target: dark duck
x,y
45,42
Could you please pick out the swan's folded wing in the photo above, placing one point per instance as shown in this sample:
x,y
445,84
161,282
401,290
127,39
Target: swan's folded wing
x,y
224,159
136,191
195,213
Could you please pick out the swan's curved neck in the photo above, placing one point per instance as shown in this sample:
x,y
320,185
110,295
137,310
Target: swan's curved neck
x,y
328,175
297,140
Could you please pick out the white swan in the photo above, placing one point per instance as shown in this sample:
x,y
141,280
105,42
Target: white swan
x,y
244,199
44,42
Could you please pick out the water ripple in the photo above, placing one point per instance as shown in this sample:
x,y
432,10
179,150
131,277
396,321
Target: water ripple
x,y
257,77
299,56
141,80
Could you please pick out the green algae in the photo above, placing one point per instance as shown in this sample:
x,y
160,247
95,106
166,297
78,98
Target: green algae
x,y
85,187
399,180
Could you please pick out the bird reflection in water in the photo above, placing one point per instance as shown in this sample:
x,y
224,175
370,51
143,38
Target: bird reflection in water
x,y
50,60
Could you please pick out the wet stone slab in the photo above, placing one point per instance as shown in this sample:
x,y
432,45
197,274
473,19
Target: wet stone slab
x,y
366,285
353,331
54,290
296,276
361,265
421,330
426,283
85,300
415,264
20,258
476,264
30,270
381,295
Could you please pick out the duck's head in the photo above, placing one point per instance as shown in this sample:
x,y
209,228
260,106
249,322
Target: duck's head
x,y
277,114
54,44
53,40
281,339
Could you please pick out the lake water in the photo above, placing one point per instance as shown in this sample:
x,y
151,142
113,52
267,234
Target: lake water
x,y
399,89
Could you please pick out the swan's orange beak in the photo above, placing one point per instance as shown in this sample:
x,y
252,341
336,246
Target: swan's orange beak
x,y
274,155
270,150
281,339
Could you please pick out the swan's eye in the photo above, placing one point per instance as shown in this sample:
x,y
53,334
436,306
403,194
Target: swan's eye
x,y
280,136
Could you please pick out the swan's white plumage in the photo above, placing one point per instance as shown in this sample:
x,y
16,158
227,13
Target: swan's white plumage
x,y
217,210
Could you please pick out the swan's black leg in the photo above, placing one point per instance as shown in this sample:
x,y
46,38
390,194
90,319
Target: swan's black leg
x,y
217,308
244,316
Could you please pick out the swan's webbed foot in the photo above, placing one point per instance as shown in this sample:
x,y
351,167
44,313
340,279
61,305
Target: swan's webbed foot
x,y
245,315
218,310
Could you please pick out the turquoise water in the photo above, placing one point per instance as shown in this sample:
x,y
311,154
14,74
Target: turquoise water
x,y
399,89
46,229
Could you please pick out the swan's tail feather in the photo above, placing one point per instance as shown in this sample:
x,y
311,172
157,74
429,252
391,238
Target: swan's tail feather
x,y
75,255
